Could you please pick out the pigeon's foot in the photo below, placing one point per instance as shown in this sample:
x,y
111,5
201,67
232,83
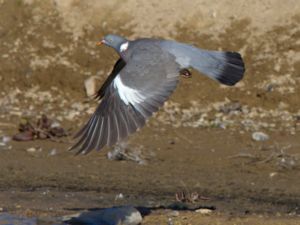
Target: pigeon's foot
x,y
185,73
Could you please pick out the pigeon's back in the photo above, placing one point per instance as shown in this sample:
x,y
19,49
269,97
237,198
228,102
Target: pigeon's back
x,y
147,58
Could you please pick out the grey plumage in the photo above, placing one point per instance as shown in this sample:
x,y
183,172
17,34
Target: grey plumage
x,y
226,67
142,80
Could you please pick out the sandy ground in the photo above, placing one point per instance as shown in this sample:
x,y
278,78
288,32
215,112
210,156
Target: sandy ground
x,y
200,142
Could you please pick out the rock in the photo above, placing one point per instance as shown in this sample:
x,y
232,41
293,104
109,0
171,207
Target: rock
x,y
5,139
42,135
57,132
170,221
231,106
173,213
53,152
204,211
55,124
119,196
78,106
90,86
260,136
273,174
277,67
31,149
24,136
124,215
71,115
214,14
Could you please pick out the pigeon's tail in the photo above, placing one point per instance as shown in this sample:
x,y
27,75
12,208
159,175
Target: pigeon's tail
x,y
226,67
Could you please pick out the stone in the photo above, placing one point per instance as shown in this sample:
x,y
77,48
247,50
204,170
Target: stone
x,y
55,124
124,215
204,211
90,86
53,152
71,115
260,136
273,174
6,139
173,213
31,149
119,196
24,136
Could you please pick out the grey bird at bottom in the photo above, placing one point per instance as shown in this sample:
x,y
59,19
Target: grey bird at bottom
x,y
142,79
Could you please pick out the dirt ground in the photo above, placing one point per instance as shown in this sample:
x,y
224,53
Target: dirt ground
x,y
200,141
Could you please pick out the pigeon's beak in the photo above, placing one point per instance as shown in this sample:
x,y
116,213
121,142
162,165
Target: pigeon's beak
x,y
100,43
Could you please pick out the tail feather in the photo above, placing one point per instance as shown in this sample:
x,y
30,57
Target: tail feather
x,y
232,69
226,67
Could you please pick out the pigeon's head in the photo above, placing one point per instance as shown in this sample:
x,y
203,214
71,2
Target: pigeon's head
x,y
114,41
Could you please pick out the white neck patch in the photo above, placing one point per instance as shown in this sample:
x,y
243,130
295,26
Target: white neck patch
x,y
124,46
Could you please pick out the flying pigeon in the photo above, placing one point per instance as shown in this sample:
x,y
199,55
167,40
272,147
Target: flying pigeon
x,y
142,79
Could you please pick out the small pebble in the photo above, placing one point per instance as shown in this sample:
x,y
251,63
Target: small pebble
x,y
71,115
53,152
170,221
90,86
204,211
31,149
173,213
6,139
55,124
273,174
119,196
260,136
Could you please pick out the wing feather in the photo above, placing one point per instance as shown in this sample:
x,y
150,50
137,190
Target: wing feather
x,y
130,95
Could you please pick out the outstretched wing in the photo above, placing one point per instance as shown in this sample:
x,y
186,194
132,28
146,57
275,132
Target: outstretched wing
x,y
135,93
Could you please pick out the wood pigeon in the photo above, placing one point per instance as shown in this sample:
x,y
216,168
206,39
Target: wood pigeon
x,y
142,79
